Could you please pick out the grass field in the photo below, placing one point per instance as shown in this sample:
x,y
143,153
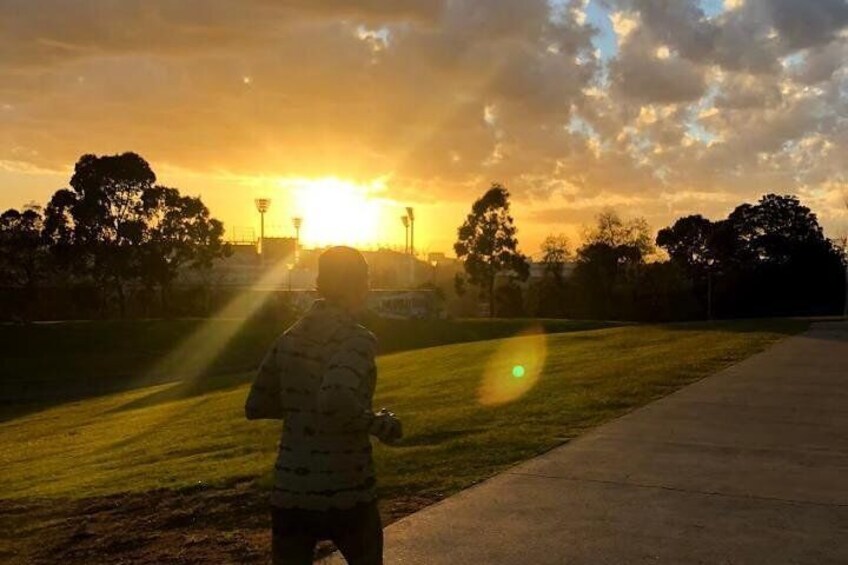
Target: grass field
x,y
172,436
174,472
55,362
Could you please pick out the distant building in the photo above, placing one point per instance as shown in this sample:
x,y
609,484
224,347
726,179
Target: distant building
x,y
396,304
405,304
389,269
279,249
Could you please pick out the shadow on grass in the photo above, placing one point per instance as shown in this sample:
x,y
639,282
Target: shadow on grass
x,y
97,363
137,434
57,394
186,389
435,438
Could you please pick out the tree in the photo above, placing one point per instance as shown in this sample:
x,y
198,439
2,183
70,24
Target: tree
x,y
179,232
843,245
547,296
611,230
608,265
556,251
772,230
114,225
768,258
23,250
487,244
782,262
692,243
98,225
689,242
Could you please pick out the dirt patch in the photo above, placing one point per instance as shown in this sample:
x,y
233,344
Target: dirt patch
x,y
198,525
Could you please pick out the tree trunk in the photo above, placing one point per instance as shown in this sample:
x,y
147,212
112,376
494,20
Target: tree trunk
x,y
163,299
492,296
709,295
122,301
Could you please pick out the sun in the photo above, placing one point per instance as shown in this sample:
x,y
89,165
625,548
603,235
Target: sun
x,y
336,211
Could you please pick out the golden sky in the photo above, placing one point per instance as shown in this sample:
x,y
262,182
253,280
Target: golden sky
x,y
346,112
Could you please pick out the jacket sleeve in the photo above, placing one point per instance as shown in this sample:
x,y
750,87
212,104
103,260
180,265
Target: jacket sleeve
x,y
263,400
346,386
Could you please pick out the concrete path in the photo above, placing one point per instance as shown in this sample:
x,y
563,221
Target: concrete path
x,y
747,466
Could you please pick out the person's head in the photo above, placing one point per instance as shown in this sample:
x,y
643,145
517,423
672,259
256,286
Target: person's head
x,y
343,277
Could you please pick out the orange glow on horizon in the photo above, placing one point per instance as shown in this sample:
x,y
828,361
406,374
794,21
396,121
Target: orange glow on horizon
x,y
337,211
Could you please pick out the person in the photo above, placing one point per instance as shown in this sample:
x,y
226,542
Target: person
x,y
319,378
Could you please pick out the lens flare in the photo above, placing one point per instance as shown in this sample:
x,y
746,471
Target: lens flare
x,y
190,359
514,369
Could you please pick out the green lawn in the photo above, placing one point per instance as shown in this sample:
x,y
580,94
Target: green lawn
x,y
54,362
176,436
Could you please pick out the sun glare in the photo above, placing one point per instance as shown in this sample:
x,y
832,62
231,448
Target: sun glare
x,y
337,211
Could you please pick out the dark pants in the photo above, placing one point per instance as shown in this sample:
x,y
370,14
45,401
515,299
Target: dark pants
x,y
357,532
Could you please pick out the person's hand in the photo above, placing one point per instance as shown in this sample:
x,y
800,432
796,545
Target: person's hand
x,y
387,427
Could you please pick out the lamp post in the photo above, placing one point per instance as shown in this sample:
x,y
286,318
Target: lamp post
x,y
405,220
262,205
297,222
711,269
411,216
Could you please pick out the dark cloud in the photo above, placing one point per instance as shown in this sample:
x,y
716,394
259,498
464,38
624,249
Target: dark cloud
x,y
820,63
639,73
442,95
750,38
807,23
743,92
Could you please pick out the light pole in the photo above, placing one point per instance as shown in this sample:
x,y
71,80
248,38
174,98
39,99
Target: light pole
x,y
411,217
710,294
405,220
297,222
262,205
709,263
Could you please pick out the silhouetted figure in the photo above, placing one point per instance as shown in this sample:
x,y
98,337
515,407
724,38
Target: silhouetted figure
x,y
319,377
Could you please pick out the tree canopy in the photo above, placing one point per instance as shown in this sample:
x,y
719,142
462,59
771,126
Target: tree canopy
x,y
114,225
487,243
770,258
22,246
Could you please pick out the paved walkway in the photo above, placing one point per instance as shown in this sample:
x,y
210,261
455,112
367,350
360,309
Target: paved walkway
x,y
747,466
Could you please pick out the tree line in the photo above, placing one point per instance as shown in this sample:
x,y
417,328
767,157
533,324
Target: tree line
x,y
114,238
765,259
113,232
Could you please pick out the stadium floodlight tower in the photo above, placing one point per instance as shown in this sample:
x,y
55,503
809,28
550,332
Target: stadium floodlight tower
x,y
411,215
262,205
405,221
297,222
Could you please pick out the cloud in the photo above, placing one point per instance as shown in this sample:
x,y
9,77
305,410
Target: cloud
x,y
439,96
638,73
741,91
749,36
820,63
623,24
809,23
